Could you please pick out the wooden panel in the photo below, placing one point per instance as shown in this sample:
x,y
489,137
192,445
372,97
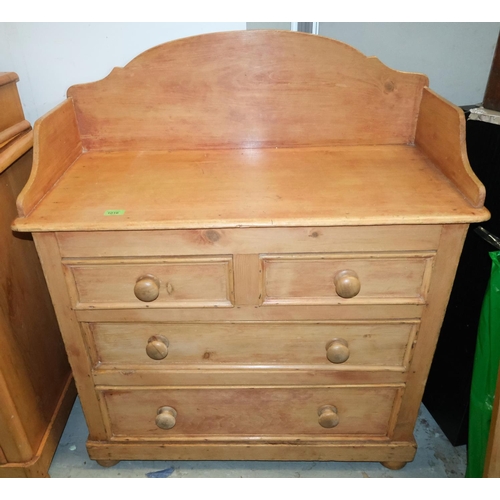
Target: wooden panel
x,y
249,411
242,345
247,279
248,89
441,135
230,375
46,245
367,450
243,188
15,149
11,132
32,357
57,145
182,282
248,241
12,110
3,459
492,93
38,465
340,312
445,266
309,279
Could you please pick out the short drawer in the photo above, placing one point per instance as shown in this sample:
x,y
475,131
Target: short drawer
x,y
315,345
170,412
322,279
150,282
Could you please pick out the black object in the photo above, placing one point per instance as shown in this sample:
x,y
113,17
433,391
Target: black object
x,y
448,387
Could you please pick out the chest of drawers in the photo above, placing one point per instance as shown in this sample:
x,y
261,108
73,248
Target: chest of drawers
x,y
250,239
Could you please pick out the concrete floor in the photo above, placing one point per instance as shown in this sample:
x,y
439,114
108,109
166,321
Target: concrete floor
x,y
435,458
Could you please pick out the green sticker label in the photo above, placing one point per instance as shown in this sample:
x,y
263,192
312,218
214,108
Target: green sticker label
x,y
114,212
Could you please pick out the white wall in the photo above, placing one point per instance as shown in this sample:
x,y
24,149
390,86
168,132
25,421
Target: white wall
x,y
50,57
455,56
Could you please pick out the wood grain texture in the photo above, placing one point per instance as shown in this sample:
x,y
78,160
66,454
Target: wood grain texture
x,y
441,136
249,411
250,344
38,466
247,279
32,357
34,371
257,92
11,132
79,359
343,311
233,188
53,152
245,243
310,278
356,451
15,149
257,147
12,110
235,375
182,282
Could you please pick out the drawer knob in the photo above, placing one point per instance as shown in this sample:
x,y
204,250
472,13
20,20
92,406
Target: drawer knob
x,y
347,284
337,351
147,288
157,347
166,417
328,417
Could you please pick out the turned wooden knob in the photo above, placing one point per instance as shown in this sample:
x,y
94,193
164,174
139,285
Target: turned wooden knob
x,y
166,417
337,351
157,347
347,284
328,417
147,288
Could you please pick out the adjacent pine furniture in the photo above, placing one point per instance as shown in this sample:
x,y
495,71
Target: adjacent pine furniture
x,y
250,239
36,386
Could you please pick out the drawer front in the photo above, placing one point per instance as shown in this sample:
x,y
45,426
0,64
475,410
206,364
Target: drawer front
x,y
319,345
150,283
247,412
320,279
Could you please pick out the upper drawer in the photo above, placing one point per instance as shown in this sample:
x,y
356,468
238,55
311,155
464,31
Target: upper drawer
x,y
321,279
150,283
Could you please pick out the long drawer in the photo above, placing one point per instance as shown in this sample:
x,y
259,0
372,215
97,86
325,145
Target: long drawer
x,y
167,413
337,345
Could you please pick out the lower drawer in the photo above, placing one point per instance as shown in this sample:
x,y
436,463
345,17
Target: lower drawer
x,y
166,413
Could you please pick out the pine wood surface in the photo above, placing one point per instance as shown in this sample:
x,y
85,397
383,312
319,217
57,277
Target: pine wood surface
x,y
249,411
248,89
254,344
36,391
441,136
273,187
281,161
242,242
